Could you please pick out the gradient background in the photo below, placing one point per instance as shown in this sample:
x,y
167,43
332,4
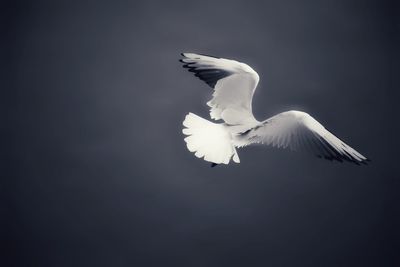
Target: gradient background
x,y
98,173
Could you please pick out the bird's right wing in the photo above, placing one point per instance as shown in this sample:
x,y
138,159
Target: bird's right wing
x,y
299,131
234,84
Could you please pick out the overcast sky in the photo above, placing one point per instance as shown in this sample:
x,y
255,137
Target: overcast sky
x,y
99,174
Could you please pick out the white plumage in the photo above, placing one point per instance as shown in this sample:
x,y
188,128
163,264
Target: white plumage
x,y
234,84
209,140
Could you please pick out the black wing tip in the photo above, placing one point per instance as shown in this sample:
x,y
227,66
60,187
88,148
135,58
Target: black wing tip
x,y
356,162
183,54
209,75
366,161
353,160
335,155
181,59
344,159
359,162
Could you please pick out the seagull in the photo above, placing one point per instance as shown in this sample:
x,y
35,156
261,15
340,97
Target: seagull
x,y
234,84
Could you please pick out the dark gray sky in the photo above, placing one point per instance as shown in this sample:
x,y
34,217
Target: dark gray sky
x,y
99,175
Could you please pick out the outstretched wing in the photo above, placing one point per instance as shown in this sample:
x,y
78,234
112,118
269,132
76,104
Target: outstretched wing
x,y
234,84
299,131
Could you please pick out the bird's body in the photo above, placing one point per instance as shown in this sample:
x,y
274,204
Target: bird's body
x,y
234,84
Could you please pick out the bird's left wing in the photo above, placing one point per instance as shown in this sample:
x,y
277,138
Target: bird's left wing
x,y
234,84
299,131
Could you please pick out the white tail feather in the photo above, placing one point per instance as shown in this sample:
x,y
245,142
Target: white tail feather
x,y
209,140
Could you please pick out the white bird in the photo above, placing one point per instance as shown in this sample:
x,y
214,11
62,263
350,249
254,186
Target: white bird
x,y
234,84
